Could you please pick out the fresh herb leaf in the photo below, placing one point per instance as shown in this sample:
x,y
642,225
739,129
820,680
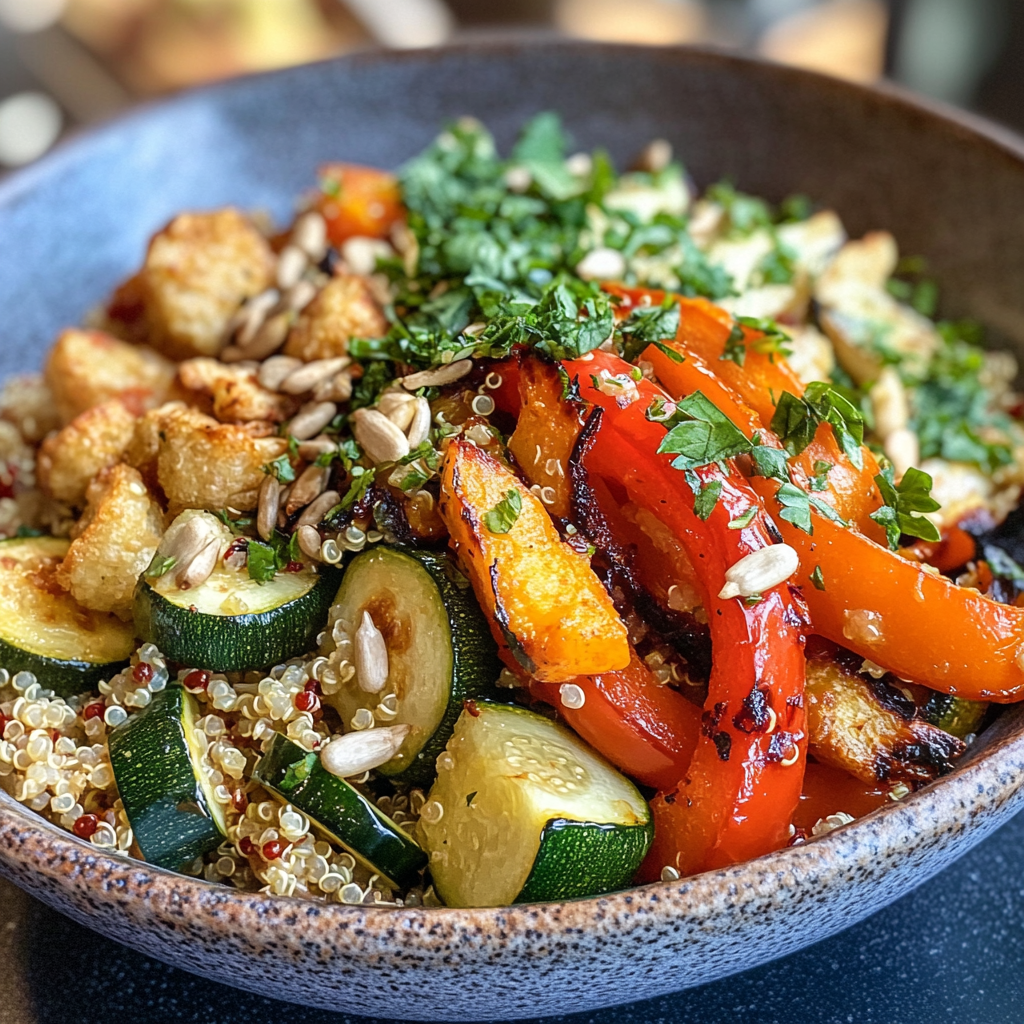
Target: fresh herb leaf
x,y
297,772
819,481
706,499
357,489
817,578
236,524
777,266
503,516
903,504
796,507
262,562
1002,565
160,566
647,325
735,346
702,434
28,531
667,350
796,420
744,520
744,214
281,469
773,338
769,462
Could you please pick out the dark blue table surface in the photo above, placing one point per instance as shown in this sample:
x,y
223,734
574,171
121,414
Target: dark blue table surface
x,y
953,950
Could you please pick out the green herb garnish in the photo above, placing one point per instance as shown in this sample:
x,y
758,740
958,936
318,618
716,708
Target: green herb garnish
x,y
503,516
903,504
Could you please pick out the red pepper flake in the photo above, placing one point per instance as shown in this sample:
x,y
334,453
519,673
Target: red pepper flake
x,y
94,710
85,826
143,672
306,700
197,680
272,850
470,707
247,846
294,567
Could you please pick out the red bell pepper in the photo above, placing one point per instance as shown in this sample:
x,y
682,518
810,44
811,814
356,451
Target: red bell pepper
x,y
738,796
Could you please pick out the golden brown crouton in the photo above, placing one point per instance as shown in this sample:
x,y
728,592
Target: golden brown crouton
x,y
344,309
871,729
204,464
93,440
85,368
237,395
198,271
115,541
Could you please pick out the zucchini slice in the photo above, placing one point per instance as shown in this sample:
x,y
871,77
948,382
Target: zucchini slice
x,y
522,811
955,715
44,630
440,649
340,812
161,779
232,623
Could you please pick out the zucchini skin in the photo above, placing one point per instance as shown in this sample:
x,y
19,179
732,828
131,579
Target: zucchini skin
x,y
580,858
65,678
235,643
475,664
342,812
162,798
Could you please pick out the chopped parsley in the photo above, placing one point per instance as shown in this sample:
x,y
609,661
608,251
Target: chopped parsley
x,y
297,772
264,561
744,520
647,325
817,578
903,504
797,505
819,481
702,434
706,499
236,524
281,469
503,516
796,420
160,566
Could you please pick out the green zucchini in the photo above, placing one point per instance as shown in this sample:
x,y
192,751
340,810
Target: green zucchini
x,y
162,782
523,811
45,631
440,649
232,623
955,715
340,812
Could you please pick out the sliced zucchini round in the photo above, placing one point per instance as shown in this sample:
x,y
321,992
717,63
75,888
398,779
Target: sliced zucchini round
x,y
522,811
340,812
45,631
955,715
231,622
162,782
440,649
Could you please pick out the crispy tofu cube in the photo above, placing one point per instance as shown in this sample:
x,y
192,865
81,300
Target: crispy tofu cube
x,y
201,463
86,368
197,272
116,539
343,310
93,440
237,395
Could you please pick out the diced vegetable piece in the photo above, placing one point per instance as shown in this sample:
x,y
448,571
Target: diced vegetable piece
x,y
45,631
440,651
523,812
340,811
163,782
955,715
871,729
231,622
542,597
358,201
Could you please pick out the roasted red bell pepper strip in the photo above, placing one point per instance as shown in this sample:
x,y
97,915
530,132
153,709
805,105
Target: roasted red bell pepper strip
x,y
643,727
738,796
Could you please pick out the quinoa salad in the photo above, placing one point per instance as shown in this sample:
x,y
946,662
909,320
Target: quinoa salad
x,y
503,529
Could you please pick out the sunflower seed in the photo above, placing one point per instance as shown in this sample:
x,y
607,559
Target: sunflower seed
x,y
358,752
251,316
378,436
318,508
322,445
300,295
183,542
361,254
198,569
371,656
601,264
398,406
436,378
311,419
309,485
310,235
306,377
270,337
291,264
268,506
419,428
276,369
337,389
760,571
309,542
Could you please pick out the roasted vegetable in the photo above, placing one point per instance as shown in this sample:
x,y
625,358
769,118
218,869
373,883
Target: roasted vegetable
x,y
358,201
543,599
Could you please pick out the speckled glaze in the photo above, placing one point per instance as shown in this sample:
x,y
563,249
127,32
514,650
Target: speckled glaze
x,y
76,223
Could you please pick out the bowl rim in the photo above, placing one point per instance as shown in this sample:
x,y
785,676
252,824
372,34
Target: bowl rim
x,y
53,852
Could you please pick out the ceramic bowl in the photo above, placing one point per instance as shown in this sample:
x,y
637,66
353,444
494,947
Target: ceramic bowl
x,y
73,225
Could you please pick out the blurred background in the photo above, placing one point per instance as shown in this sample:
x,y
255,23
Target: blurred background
x,y
69,63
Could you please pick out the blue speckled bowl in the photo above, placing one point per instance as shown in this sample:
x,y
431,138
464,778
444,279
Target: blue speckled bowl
x,y
72,226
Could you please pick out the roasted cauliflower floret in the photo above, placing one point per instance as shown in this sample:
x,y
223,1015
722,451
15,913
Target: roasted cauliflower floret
x,y
197,272
116,539
237,395
343,310
86,368
201,463
93,440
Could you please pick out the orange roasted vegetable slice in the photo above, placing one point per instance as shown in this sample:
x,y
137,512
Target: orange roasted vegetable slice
x,y
358,201
543,599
